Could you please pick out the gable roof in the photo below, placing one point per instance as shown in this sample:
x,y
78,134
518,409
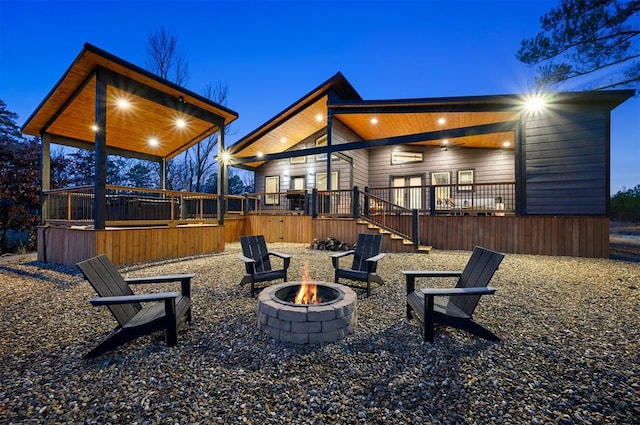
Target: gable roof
x,y
301,119
68,111
470,121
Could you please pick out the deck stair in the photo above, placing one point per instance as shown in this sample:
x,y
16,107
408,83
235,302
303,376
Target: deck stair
x,y
398,242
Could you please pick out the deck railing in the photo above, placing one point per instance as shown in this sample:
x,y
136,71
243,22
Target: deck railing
x,y
452,199
126,206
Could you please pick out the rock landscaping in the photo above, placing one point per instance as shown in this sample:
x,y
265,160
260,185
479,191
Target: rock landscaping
x,y
570,350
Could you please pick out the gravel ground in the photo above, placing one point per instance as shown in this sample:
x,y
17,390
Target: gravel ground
x,y
569,351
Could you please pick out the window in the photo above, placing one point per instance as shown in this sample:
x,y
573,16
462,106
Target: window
x,y
297,183
298,160
405,157
321,181
271,188
465,177
320,142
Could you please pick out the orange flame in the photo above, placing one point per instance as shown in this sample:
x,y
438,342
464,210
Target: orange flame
x,y
308,292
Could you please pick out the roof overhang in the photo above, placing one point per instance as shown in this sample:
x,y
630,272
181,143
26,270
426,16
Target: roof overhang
x,y
68,113
470,122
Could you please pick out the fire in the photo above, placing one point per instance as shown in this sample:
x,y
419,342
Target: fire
x,y
308,292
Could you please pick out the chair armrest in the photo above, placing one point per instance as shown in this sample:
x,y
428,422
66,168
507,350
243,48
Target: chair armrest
x,y
336,257
375,258
343,254
431,273
129,299
285,257
184,279
442,292
410,276
279,254
159,279
246,259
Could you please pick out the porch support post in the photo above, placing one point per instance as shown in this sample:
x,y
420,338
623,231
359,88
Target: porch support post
x,y
414,228
366,200
100,152
314,203
45,176
356,202
163,173
222,185
432,200
329,143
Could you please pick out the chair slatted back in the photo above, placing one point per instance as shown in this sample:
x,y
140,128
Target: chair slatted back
x,y
255,247
368,245
478,272
107,282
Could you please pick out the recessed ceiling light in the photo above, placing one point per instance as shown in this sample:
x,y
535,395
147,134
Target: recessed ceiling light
x,y
374,120
445,142
319,117
153,141
94,128
441,121
506,144
283,140
181,123
260,155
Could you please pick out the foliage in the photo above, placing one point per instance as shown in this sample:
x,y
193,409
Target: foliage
x,y
625,206
587,37
19,180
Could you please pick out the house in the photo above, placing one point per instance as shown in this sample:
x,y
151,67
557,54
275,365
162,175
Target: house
x,y
490,170
447,173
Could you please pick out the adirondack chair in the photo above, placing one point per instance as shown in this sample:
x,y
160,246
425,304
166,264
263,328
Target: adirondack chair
x,y
454,306
257,263
365,262
162,310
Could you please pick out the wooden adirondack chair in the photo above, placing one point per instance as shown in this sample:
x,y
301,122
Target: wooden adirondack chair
x,y
365,262
162,310
257,264
454,306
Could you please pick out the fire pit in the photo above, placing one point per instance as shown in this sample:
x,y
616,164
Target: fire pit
x,y
307,312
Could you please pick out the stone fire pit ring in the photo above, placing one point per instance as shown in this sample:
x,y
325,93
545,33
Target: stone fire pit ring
x,y
307,323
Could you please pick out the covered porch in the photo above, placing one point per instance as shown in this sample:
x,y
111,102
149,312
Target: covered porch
x,y
112,107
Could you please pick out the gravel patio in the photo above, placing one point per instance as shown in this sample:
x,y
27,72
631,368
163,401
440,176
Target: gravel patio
x,y
570,350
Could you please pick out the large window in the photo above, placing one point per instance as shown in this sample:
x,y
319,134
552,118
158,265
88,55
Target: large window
x,y
272,187
321,181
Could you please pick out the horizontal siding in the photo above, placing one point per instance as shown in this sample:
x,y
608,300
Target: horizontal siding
x,y
489,165
566,163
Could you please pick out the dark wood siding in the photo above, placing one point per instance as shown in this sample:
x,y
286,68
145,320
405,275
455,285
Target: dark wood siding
x,y
566,157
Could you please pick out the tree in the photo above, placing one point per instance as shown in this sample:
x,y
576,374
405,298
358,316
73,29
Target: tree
x,y
599,38
19,182
625,205
191,170
164,59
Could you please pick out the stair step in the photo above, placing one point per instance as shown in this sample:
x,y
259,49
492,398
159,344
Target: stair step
x,y
425,248
396,237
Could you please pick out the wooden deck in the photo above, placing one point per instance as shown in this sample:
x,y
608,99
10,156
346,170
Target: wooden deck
x,y
69,245
538,235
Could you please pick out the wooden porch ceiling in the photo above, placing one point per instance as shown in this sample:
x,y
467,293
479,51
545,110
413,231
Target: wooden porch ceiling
x,y
155,106
389,125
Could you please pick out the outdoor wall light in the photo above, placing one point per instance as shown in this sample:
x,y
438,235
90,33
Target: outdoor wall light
x,y
506,144
535,103
123,103
94,128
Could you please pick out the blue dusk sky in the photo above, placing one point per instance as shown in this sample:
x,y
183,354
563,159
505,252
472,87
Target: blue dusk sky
x,y
270,53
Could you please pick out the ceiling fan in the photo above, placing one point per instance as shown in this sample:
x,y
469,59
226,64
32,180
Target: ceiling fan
x,y
446,144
